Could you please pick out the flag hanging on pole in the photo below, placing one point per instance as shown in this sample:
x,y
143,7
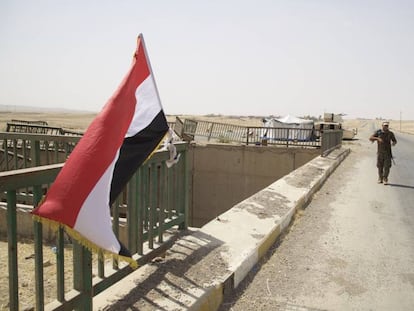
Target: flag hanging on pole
x,y
121,137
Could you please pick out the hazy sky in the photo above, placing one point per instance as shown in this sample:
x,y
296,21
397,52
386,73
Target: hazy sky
x,y
223,57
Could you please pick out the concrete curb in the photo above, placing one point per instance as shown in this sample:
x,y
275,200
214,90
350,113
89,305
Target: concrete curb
x,y
217,257
307,181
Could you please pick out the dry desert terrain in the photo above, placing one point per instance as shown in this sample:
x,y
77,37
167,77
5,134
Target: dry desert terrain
x,y
80,121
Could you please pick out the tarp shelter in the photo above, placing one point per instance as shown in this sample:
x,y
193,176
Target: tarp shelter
x,y
289,128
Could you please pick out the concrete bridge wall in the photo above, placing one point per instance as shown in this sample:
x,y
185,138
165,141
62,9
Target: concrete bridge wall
x,y
223,175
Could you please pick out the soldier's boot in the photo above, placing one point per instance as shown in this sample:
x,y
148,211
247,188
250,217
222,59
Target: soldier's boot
x,y
380,175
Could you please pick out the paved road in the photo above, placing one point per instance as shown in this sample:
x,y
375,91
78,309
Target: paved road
x,y
352,248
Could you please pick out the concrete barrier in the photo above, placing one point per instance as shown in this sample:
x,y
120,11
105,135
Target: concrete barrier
x,y
223,175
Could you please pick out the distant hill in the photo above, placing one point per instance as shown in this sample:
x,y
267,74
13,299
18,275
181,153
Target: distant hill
x,y
15,108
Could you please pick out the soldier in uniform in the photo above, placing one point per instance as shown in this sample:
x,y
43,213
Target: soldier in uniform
x,y
384,138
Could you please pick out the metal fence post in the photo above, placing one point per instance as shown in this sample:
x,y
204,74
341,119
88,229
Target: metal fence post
x,y
186,189
12,246
82,275
38,245
132,214
35,152
211,131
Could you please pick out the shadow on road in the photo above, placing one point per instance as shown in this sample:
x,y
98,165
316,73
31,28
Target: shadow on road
x,y
401,186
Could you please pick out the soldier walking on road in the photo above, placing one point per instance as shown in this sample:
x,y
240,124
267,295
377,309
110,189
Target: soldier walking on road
x,y
384,139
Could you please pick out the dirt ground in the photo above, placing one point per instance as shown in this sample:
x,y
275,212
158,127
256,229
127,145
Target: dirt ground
x,y
79,122
26,273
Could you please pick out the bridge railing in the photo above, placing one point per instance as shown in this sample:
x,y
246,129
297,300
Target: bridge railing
x,y
227,133
331,139
38,127
23,150
326,140
146,217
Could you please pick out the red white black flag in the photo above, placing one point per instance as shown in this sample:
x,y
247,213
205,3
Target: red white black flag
x,y
121,137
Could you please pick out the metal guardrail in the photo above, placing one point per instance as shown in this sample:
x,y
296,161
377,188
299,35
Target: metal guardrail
x,y
22,150
331,139
224,132
38,127
154,201
39,122
326,140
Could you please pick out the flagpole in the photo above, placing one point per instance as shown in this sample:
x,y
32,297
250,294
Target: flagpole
x,y
141,37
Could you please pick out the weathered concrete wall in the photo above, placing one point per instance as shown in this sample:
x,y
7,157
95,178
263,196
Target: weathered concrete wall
x,y
223,175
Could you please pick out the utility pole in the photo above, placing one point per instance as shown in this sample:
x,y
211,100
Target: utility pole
x,y
400,119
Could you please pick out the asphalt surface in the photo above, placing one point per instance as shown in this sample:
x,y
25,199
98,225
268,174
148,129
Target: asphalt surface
x,y
352,248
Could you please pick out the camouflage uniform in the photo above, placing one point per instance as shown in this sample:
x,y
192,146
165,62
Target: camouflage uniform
x,y
384,153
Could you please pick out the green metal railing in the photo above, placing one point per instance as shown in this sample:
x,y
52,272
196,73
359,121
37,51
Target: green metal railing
x,y
38,127
22,150
146,217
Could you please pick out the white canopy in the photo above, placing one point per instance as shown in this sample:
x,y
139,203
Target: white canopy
x,y
290,128
293,120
